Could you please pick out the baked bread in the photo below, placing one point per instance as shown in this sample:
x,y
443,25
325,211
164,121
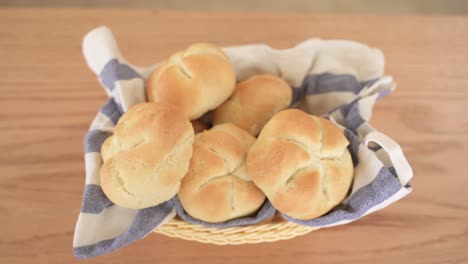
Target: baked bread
x,y
217,187
199,126
302,164
196,80
254,102
148,155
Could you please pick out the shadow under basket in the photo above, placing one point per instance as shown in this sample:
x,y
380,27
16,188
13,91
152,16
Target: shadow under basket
x,y
272,230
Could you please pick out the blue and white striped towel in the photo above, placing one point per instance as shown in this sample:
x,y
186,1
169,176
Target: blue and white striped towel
x,y
341,80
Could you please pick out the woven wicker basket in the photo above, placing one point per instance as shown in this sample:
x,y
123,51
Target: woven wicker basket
x,y
273,230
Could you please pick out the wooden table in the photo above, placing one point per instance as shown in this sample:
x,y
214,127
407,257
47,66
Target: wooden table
x,y
48,98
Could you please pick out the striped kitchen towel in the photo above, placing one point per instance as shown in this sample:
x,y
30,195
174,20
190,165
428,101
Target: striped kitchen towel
x,y
340,80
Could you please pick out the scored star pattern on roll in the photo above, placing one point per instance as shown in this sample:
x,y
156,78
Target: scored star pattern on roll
x,y
217,187
301,163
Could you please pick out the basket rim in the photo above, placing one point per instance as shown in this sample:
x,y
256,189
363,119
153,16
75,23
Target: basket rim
x,y
274,230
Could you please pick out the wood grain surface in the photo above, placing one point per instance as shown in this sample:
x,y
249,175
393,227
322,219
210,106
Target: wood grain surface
x,y
48,98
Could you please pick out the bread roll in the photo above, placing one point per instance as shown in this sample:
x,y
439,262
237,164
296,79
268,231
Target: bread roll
x,y
254,102
302,164
217,187
148,155
196,80
199,126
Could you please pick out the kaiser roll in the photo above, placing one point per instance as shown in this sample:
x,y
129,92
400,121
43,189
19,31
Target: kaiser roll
x,y
148,155
217,187
197,80
254,102
302,164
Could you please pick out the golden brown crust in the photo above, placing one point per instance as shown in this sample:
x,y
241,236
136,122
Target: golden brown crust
x,y
302,164
196,80
148,155
254,102
217,187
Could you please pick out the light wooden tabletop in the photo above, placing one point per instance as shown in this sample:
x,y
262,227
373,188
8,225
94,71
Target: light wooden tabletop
x,y
48,98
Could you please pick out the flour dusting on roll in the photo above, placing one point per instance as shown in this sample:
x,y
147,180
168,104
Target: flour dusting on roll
x,y
148,155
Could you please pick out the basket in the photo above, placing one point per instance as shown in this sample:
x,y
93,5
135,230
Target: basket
x,y
274,230
345,82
